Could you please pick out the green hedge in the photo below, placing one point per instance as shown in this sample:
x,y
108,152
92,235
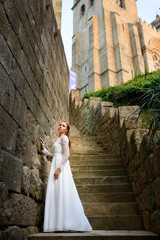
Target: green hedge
x,y
128,93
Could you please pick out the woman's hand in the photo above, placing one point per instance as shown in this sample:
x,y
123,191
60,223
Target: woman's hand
x,y
42,143
57,172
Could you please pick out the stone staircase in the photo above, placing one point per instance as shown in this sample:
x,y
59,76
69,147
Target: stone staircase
x,y
105,192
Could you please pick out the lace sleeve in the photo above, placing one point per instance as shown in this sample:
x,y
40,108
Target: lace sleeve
x,y
65,148
47,153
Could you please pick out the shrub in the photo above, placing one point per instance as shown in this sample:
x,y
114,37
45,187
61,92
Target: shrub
x,y
142,90
130,92
150,104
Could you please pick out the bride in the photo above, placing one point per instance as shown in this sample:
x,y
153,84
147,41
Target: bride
x,y
63,208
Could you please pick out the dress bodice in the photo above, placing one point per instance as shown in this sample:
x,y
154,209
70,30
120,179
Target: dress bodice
x,y
61,146
57,146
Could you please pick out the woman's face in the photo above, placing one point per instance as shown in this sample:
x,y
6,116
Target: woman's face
x,y
62,127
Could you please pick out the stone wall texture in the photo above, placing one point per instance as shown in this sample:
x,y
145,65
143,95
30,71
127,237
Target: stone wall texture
x,y
57,4
120,131
34,98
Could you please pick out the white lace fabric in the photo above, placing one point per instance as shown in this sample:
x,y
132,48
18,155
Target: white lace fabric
x,y
63,208
47,153
65,151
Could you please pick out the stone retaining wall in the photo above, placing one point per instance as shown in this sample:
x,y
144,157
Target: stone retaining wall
x,y
119,131
96,118
34,98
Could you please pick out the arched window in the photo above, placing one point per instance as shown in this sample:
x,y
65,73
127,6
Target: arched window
x,y
156,61
91,2
82,9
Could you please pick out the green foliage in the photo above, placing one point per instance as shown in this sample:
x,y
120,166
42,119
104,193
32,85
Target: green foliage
x,y
150,104
128,93
142,90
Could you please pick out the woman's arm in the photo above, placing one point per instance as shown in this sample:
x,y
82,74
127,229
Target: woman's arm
x,y
44,150
47,153
65,147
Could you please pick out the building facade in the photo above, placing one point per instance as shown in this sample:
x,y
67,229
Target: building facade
x,y
156,23
110,45
57,5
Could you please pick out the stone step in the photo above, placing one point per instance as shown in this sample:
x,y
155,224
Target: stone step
x,y
104,188
103,156
97,235
116,222
107,197
98,167
86,151
81,137
78,141
125,208
85,144
100,173
75,161
101,180
90,143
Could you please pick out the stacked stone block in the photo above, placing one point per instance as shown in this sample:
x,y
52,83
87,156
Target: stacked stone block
x,y
141,158
96,118
33,100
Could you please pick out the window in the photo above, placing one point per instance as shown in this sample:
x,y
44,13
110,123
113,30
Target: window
x,y
122,4
82,9
156,61
91,2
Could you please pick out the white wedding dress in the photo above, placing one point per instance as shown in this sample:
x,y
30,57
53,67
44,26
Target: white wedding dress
x,y
63,207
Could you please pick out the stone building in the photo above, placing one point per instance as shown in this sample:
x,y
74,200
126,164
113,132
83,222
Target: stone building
x,y
57,5
156,23
110,45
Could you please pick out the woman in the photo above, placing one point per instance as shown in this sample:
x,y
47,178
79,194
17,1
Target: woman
x,y
63,208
